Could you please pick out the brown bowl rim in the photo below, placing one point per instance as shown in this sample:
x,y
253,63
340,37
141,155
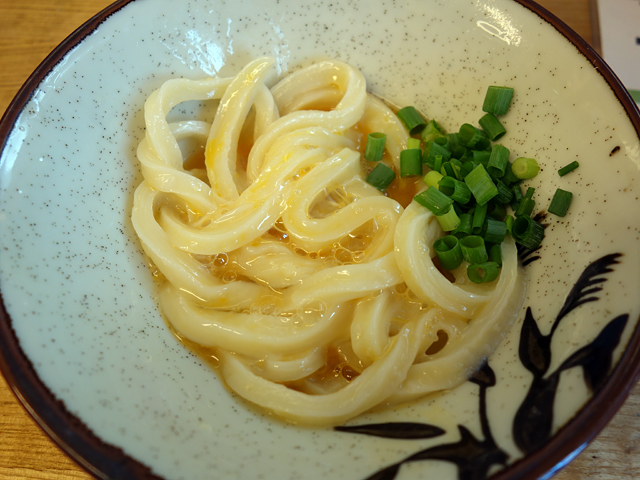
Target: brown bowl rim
x,y
106,461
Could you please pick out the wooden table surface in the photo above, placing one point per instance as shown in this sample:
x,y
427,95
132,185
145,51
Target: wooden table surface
x,y
29,30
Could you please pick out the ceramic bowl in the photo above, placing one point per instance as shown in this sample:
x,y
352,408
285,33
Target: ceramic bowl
x,y
82,340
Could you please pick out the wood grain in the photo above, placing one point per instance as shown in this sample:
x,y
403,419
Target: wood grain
x,y
29,30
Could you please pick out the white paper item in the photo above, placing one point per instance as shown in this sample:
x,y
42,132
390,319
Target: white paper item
x,y
619,22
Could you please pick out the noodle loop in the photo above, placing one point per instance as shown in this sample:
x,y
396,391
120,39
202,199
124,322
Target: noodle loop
x,y
317,292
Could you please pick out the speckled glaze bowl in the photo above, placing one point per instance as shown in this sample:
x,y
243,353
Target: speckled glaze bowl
x,y
81,338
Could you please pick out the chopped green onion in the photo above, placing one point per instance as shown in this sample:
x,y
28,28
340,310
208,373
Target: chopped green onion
x,y
497,100
410,163
505,195
449,220
495,254
517,193
431,150
467,168
492,126
449,252
457,190
432,131
524,168
568,168
483,272
481,156
456,165
481,185
479,214
452,141
498,161
437,162
497,211
530,192
381,177
375,146
447,170
493,231
413,143
509,178
471,184
560,202
473,249
527,232
473,137
509,221
467,156
460,152
464,228
526,205
517,197
411,119
442,141
432,178
434,200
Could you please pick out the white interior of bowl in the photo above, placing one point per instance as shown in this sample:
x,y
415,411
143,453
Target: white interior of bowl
x,y
77,285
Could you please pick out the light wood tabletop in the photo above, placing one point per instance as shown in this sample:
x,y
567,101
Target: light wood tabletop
x,y
29,30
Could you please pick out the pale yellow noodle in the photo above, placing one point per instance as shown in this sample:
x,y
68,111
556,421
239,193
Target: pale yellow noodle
x,y
316,291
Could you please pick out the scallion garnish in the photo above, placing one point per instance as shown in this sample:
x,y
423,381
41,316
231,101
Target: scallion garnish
x,y
413,143
509,222
472,185
433,149
498,160
497,100
495,253
410,162
411,119
560,202
374,150
493,231
467,168
456,165
481,185
505,195
432,178
464,228
448,251
479,214
434,200
457,190
449,221
492,126
497,211
437,162
431,131
568,168
473,249
483,272
472,137
509,178
481,156
381,177
527,204
527,232
452,142
517,193
447,170
461,152
525,168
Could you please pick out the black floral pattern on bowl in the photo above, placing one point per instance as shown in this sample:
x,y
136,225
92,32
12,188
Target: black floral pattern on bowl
x,y
532,424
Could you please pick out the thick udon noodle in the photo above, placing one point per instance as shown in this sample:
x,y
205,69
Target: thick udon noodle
x,y
317,292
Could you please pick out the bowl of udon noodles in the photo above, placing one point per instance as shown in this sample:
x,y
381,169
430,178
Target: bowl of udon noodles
x,y
202,276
